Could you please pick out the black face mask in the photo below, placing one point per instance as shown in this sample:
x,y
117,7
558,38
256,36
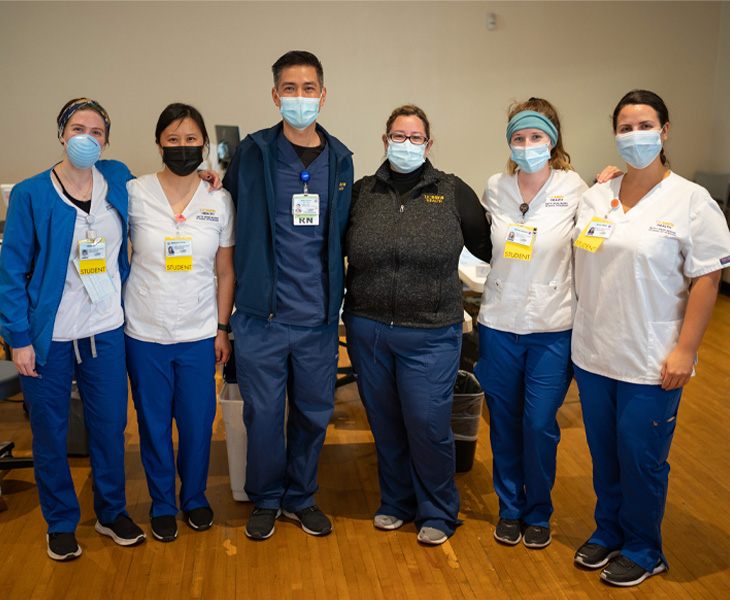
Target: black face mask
x,y
182,160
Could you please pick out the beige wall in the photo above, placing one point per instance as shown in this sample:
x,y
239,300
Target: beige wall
x,y
135,57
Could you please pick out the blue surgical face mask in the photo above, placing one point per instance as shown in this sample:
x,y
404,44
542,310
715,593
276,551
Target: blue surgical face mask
x,y
639,148
298,111
83,151
531,158
406,157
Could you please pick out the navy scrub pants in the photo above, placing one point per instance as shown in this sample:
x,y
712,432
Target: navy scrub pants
x,y
102,383
273,361
174,381
525,379
629,428
406,380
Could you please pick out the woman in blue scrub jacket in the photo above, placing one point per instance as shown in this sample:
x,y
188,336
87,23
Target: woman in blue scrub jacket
x,y
526,318
403,313
176,327
63,260
646,280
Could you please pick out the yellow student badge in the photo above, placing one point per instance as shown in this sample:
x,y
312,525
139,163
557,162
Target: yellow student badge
x,y
594,233
518,244
178,254
92,256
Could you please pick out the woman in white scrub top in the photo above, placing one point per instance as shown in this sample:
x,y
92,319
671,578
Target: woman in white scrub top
x,y
646,281
526,318
176,320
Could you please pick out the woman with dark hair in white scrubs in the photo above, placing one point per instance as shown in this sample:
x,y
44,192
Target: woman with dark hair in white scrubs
x,y
648,257
176,324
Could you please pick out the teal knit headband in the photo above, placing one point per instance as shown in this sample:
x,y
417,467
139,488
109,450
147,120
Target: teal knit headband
x,y
529,119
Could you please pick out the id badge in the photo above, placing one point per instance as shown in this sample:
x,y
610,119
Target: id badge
x,y
594,234
92,256
305,209
518,244
178,254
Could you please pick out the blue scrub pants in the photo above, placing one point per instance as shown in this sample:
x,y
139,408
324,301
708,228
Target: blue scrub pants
x,y
525,379
102,384
406,380
274,360
629,428
174,381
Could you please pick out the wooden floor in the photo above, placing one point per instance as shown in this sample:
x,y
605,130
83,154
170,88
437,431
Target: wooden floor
x,y
357,561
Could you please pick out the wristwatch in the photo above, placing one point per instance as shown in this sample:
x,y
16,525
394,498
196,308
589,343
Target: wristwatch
x,y
226,327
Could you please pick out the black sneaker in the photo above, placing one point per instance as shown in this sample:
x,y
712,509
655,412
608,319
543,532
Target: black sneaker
x,y
62,546
164,528
508,531
313,520
595,556
260,524
122,530
200,518
624,572
536,536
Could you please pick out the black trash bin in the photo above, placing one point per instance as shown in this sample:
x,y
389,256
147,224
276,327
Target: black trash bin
x,y
466,414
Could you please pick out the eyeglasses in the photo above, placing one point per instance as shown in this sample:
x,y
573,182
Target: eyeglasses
x,y
399,138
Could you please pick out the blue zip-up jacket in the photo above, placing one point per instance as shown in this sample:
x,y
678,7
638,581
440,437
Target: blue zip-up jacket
x,y
36,245
251,180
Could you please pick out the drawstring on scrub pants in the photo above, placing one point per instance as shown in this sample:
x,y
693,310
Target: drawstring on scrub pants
x,y
78,354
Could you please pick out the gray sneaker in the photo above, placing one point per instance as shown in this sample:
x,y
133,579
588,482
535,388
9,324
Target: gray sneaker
x,y
387,522
432,536
260,524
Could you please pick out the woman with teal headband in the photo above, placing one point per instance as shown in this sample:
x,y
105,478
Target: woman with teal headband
x,y
526,318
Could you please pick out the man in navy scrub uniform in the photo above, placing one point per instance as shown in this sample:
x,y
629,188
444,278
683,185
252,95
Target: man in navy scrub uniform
x,y
291,185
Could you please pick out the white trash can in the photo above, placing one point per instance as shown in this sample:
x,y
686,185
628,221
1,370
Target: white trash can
x,y
232,407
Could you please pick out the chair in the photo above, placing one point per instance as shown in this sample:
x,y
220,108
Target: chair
x,y
9,386
717,184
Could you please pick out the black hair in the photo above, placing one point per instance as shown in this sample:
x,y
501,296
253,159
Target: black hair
x,y
650,99
177,112
297,58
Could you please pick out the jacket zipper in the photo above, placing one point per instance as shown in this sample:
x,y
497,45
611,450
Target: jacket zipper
x,y
396,262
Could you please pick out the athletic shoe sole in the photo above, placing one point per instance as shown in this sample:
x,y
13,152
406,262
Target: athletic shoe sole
x,y
62,557
507,541
304,528
121,541
537,546
611,555
660,568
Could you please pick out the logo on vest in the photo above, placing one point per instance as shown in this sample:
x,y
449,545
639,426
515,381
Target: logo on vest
x,y
434,199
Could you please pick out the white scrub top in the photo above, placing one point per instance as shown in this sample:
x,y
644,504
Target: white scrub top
x,y
534,296
77,317
633,291
168,307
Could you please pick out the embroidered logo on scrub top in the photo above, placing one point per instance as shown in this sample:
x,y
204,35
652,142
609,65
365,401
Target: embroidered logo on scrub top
x,y
663,227
207,214
556,201
343,185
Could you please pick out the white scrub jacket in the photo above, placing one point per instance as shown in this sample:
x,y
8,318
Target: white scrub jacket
x,y
168,307
632,292
534,296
